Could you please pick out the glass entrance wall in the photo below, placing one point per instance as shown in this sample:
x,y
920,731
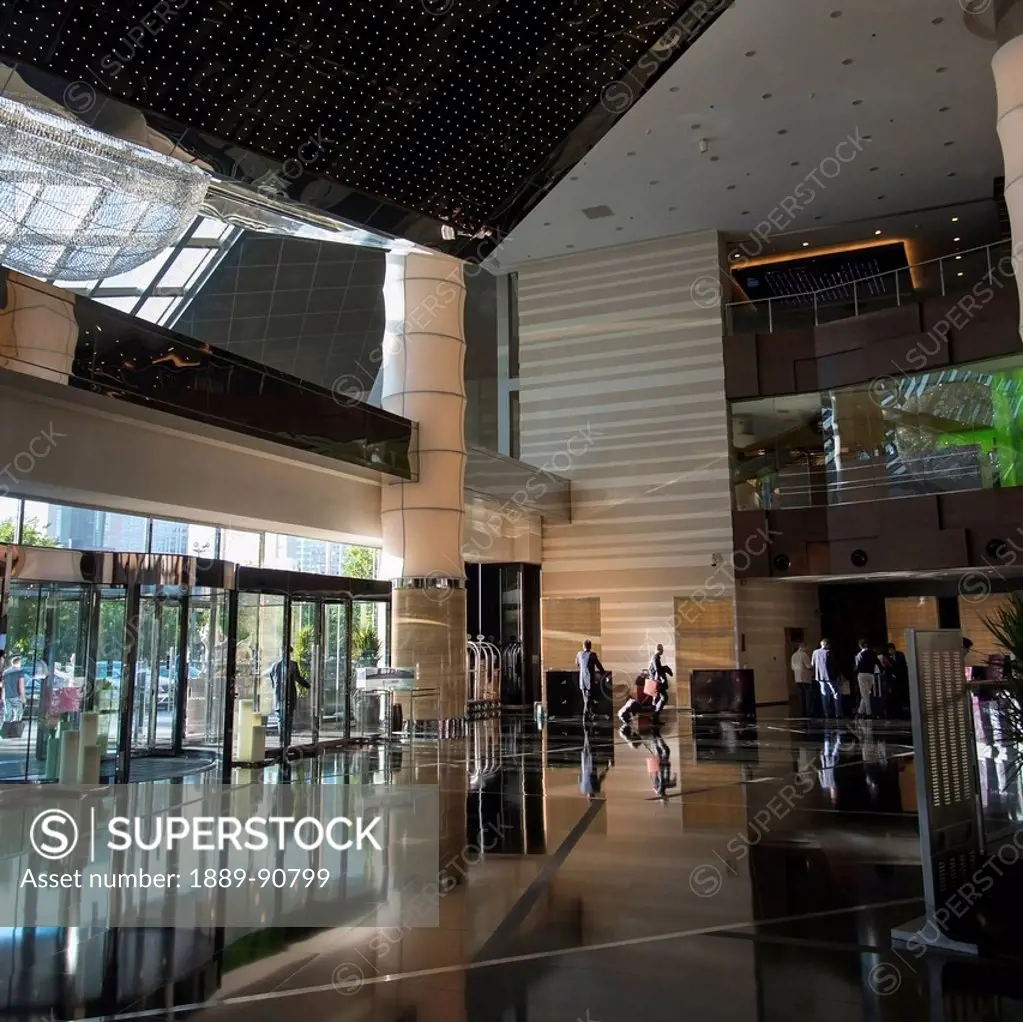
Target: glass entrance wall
x,y
144,643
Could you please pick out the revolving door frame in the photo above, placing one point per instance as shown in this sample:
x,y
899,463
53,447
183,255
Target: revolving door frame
x,y
323,591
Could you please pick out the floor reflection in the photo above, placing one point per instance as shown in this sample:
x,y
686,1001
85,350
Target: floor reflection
x,y
716,869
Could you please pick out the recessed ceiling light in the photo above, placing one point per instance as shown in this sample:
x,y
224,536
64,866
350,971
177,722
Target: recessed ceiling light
x,y
847,61
958,257
735,255
767,95
940,70
955,219
655,182
675,88
836,14
730,188
783,131
937,21
951,173
714,159
872,169
751,53
794,163
695,127
957,239
631,153
806,244
960,273
950,142
671,209
877,231
745,212
879,198
857,102
942,109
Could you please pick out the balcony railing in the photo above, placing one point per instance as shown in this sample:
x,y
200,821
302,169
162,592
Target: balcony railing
x,y
952,274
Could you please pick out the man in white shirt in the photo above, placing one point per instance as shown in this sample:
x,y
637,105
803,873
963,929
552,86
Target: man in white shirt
x,y
802,671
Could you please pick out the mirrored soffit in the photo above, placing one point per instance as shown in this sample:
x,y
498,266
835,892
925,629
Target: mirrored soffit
x,y
440,121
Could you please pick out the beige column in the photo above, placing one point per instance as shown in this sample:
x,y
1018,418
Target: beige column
x,y
1007,66
422,521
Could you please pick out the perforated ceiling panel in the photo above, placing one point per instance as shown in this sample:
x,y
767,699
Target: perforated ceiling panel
x,y
461,111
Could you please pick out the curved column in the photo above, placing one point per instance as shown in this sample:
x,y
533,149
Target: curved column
x,y
1007,66
422,522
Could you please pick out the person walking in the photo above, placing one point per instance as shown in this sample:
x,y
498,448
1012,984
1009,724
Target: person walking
x,y
899,701
802,671
885,676
14,682
589,668
866,666
659,675
286,693
826,674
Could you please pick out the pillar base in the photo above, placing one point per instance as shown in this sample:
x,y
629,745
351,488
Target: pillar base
x,y
428,623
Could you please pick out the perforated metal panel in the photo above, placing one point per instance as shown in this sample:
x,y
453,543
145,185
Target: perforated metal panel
x,y
946,770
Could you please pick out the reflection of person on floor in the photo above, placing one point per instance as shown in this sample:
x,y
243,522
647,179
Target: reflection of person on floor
x,y
659,766
590,780
658,758
590,668
286,695
828,762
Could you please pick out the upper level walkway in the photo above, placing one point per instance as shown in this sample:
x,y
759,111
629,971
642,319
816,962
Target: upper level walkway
x,y
949,275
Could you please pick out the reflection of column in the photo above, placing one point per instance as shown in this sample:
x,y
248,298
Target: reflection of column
x,y
422,522
858,430
1007,66
38,331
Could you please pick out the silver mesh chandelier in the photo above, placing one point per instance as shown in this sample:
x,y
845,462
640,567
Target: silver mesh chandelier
x,y
76,204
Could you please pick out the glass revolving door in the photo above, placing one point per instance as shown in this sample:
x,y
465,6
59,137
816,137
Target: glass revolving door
x,y
44,675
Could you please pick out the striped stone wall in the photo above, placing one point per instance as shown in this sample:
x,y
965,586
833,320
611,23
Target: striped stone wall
x,y
622,391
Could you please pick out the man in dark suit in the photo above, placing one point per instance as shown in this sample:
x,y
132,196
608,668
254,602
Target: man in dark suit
x,y
826,674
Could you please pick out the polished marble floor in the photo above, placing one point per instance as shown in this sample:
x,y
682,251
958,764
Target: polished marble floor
x,y
706,871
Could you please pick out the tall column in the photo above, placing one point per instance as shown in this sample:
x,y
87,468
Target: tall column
x,y
1007,65
422,521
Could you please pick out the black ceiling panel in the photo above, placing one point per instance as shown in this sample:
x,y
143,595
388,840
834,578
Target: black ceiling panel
x,y
426,112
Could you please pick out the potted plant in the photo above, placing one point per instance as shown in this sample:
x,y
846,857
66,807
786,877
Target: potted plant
x,y
1006,625
366,646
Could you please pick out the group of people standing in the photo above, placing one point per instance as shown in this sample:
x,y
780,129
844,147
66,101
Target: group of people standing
x,y
881,678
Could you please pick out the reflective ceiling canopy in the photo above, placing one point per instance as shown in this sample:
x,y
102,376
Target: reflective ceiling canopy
x,y
442,121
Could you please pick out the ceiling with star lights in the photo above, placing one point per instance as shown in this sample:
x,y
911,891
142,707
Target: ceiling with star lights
x,y
444,120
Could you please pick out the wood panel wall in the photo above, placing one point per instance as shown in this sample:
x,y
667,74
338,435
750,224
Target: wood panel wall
x,y
904,612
